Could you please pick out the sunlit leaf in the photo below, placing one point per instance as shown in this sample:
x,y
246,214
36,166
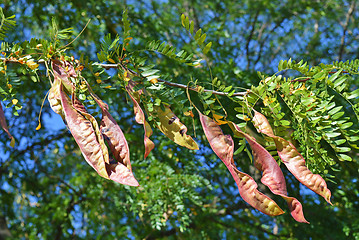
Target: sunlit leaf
x,y
171,126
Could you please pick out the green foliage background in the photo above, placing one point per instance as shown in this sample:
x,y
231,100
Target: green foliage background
x,y
49,192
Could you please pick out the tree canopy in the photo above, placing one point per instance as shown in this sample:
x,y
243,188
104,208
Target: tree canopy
x,y
200,119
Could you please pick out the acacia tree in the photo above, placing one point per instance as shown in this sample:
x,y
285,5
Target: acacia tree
x,y
313,110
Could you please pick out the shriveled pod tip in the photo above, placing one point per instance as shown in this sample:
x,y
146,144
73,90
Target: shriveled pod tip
x,y
121,174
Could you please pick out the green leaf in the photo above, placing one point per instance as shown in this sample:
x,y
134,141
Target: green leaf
x,y
285,122
207,48
183,17
161,46
149,72
191,27
319,76
332,134
354,94
210,101
340,141
353,138
346,125
198,34
340,81
152,77
344,157
280,66
227,89
335,110
343,149
202,38
337,115
180,53
334,76
231,93
186,23
206,95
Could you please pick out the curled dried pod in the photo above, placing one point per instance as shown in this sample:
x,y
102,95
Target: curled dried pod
x,y
121,171
140,119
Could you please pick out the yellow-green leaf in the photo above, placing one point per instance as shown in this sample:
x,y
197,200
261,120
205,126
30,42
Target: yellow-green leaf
x,y
171,126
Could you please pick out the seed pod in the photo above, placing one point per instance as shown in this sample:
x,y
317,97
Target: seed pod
x,y
140,119
222,145
84,135
248,190
81,108
55,99
292,159
121,171
171,126
86,131
273,178
64,71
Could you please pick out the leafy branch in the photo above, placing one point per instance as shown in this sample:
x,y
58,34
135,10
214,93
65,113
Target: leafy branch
x,y
6,24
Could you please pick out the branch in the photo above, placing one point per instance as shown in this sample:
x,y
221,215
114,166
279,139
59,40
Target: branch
x,y
250,38
345,28
109,66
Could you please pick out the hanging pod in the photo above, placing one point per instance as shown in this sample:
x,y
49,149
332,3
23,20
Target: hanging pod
x,y
86,132
140,119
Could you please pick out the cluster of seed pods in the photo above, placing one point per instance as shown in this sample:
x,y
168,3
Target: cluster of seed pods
x,y
89,136
272,175
115,164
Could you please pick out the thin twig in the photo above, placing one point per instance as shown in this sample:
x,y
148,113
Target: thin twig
x,y
300,80
250,38
109,66
77,35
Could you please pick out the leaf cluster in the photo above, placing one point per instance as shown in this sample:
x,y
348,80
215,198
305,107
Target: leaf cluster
x,y
6,24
